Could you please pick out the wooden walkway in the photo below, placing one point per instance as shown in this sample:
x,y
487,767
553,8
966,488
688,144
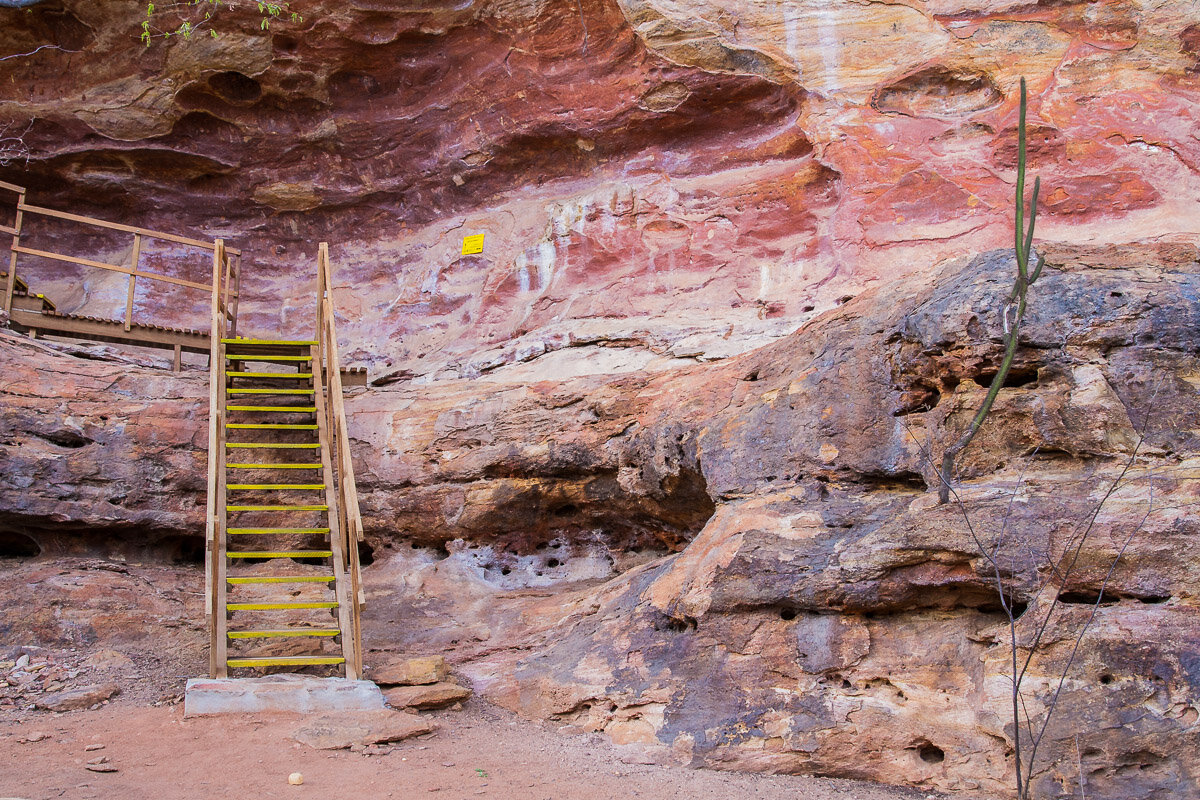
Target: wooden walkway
x,y
38,315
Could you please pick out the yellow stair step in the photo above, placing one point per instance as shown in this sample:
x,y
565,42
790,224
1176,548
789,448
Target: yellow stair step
x,y
269,531
289,375
276,445
283,606
260,357
280,579
272,342
279,553
284,661
292,409
272,634
277,465
278,508
305,487
268,426
239,390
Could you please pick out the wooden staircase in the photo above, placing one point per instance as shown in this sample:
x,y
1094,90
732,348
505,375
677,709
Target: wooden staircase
x,y
283,586
287,593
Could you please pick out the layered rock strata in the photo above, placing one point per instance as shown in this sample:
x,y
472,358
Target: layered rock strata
x,y
743,564
691,178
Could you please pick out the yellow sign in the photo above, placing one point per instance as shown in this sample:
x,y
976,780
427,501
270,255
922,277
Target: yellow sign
x,y
472,244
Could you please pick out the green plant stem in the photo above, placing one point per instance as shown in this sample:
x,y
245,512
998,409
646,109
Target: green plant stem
x,y
1023,246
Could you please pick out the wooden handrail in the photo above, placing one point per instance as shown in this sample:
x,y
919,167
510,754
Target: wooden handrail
x,y
350,517
117,226
226,260
87,262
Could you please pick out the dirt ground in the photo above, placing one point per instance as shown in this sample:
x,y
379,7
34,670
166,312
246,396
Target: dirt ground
x,y
100,622
480,751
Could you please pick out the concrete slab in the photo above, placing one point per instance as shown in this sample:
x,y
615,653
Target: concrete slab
x,y
285,692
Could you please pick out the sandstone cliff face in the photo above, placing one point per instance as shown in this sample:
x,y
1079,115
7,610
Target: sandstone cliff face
x,y
656,462
689,179
743,564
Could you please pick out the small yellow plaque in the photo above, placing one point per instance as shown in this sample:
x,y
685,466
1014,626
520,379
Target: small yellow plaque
x,y
472,244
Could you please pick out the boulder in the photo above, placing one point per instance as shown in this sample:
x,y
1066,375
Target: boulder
x,y
410,671
438,695
75,699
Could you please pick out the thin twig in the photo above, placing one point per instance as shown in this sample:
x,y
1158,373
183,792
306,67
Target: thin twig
x,y
1091,617
37,50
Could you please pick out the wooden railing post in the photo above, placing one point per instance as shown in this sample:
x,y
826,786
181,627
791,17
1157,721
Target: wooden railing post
x,y
235,296
11,283
133,262
349,519
213,563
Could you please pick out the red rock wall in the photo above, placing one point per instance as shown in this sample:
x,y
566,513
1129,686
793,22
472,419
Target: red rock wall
x,y
687,179
735,563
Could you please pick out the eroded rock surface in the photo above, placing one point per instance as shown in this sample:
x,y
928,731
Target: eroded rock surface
x,y
657,461
743,564
657,181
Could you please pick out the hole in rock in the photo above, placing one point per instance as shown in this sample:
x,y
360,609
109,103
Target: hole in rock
x,y
1016,377
1051,454
348,85
566,511
18,545
992,606
1087,598
66,438
662,622
917,398
366,554
182,549
552,563
931,753
234,87
1106,679
902,480
938,91
787,614
203,126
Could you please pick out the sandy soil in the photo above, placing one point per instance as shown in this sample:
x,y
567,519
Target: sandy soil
x,y
478,752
